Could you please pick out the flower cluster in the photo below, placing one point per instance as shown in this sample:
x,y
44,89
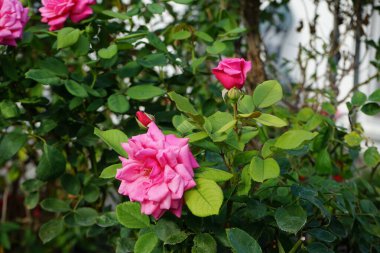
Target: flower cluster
x,y
158,171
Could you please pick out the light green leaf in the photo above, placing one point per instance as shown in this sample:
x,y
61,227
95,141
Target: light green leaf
x,y
353,139
52,164
261,170
267,94
242,242
270,120
67,36
110,171
244,185
118,103
197,136
144,92
181,35
31,200
292,139
204,36
76,89
290,219
213,174
50,230
216,48
155,8
372,156
246,105
113,14
129,215
375,96
359,98
205,199
183,1
109,52
113,138
183,104
146,243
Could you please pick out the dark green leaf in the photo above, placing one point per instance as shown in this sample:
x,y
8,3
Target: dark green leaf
x,y
144,92
290,219
76,89
10,144
52,164
146,243
118,103
242,242
371,109
50,230
204,243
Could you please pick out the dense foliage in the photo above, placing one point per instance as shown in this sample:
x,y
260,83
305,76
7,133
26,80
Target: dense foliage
x,y
274,176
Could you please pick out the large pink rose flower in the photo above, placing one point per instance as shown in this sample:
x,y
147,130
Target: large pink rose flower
x,y
56,12
232,72
159,169
13,18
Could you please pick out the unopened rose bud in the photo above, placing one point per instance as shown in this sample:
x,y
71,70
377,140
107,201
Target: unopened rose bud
x,y
143,119
234,94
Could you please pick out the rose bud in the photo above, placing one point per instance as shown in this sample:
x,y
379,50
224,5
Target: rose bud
x,y
232,72
143,119
338,178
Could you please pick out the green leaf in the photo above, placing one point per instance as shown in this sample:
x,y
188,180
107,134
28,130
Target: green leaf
x,y
371,109
183,1
31,200
323,164
10,144
107,219
43,76
155,8
9,109
144,92
290,219
67,36
245,183
372,157
82,47
55,205
129,215
213,174
359,98
110,171
242,242
204,243
31,185
267,94
246,105
50,230
109,52
152,60
292,139
113,14
353,139
197,136
204,36
205,199
155,41
85,216
375,96
55,66
76,89
183,104
91,193
52,164
71,184
169,232
261,170
322,235
118,103
266,150
113,138
181,35
317,247
216,48
270,120
146,243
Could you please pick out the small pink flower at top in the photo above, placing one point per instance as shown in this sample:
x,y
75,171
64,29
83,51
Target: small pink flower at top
x,y
157,172
13,18
143,118
232,72
56,12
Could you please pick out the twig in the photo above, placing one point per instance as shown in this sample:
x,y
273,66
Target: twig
x,y
357,86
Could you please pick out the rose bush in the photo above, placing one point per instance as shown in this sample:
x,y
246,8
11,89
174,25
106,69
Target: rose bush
x,y
202,172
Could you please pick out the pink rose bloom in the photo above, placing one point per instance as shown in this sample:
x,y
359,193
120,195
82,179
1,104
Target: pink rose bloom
x,y
56,12
159,169
232,72
13,18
